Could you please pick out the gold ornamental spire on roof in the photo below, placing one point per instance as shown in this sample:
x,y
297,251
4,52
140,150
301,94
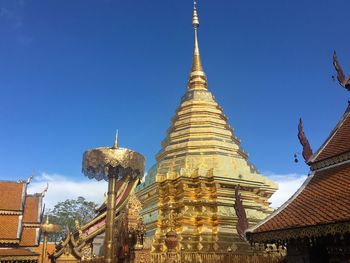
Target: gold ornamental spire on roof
x,y
197,79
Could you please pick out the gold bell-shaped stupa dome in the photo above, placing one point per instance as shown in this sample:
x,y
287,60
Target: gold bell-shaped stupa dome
x,y
198,168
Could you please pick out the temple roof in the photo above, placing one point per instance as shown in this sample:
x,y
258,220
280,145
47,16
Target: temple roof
x,y
323,199
20,214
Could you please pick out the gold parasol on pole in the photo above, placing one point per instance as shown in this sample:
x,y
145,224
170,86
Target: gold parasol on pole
x,y
112,164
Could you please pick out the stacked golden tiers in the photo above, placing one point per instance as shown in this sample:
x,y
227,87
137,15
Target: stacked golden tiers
x,y
196,173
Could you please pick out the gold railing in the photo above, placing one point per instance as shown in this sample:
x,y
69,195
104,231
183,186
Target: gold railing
x,y
94,260
198,257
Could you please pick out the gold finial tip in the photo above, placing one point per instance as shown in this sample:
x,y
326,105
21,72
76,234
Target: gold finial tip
x,y
116,141
195,20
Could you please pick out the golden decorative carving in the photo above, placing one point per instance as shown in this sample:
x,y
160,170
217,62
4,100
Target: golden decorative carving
x,y
331,161
86,252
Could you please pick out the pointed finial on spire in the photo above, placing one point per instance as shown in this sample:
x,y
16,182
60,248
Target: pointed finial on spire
x,y
116,141
197,79
195,21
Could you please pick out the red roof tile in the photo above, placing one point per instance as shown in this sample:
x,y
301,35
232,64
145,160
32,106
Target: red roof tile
x,y
325,199
9,226
11,195
337,143
32,209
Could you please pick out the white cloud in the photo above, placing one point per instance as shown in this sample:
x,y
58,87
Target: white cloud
x,y
62,188
288,184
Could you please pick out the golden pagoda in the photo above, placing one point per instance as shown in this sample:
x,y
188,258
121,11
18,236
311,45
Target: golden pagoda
x,y
191,188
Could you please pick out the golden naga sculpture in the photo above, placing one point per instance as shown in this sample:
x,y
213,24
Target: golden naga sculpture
x,y
113,164
242,221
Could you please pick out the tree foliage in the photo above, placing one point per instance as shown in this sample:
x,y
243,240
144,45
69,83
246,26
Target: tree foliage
x,y
67,212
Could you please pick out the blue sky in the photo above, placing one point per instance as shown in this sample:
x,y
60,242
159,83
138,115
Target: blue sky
x,y
74,71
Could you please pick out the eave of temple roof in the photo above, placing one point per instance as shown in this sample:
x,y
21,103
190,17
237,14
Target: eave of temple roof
x,y
17,254
324,198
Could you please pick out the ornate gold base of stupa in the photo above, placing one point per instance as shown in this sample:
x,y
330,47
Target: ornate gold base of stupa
x,y
198,202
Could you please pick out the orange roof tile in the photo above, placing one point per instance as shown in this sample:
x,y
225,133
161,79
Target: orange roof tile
x,y
50,249
12,195
16,252
337,143
32,209
29,237
9,226
325,199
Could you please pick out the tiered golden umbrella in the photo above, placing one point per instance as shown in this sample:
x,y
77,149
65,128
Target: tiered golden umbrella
x,y
112,164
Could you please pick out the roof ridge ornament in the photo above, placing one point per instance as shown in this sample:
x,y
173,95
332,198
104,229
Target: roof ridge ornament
x,y
307,151
30,177
343,81
43,193
28,180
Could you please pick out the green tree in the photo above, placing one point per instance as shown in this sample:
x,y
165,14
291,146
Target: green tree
x,y
67,212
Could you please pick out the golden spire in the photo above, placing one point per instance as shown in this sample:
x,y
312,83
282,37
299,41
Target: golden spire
x,y
197,79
